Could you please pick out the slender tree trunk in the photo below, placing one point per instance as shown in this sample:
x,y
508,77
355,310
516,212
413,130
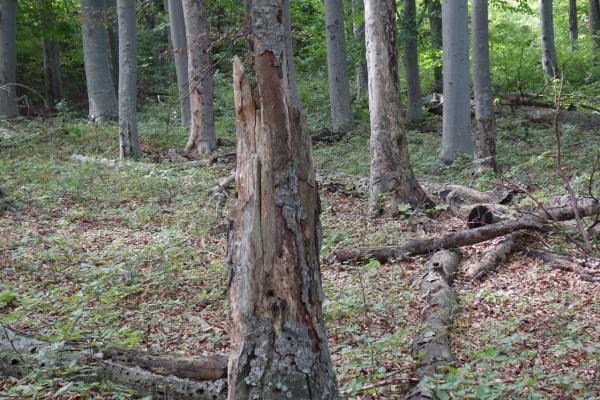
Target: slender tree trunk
x,y
485,136
594,20
180,54
358,29
573,23
392,178
435,26
52,72
202,135
112,30
549,63
8,58
414,112
339,88
278,337
100,88
129,145
456,133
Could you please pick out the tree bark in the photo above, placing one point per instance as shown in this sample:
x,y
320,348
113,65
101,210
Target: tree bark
x,y
594,21
465,237
129,144
337,68
485,134
358,29
52,72
180,55
100,88
202,138
549,63
456,131
8,58
112,29
435,27
392,179
432,347
414,110
278,337
493,257
573,24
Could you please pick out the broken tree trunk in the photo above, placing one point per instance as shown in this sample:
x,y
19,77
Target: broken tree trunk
x,y
164,376
493,257
534,221
432,347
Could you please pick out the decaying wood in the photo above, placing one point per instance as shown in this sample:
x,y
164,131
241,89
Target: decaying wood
x,y
547,115
223,185
493,257
432,347
565,263
534,221
163,376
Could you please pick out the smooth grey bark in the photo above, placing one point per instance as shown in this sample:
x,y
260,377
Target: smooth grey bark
x,y
112,30
358,29
202,134
414,110
101,93
549,63
52,71
129,145
435,26
392,179
8,58
594,20
485,135
279,347
456,131
573,23
339,88
179,44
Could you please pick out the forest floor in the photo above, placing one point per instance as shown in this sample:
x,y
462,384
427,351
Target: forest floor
x,y
132,255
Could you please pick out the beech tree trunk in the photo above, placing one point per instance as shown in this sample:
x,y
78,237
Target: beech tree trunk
x,y
485,135
456,131
573,24
549,63
180,54
337,68
202,138
100,88
435,27
8,58
358,29
414,111
392,179
594,21
52,72
129,145
112,29
278,337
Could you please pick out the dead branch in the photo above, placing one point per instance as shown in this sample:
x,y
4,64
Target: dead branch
x,y
564,263
493,257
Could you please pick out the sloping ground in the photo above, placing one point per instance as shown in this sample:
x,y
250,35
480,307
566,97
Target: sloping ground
x,y
132,256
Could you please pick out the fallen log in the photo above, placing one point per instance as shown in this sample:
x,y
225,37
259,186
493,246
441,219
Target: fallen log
x,y
432,347
548,115
564,263
493,257
447,193
163,376
534,221
220,191
327,136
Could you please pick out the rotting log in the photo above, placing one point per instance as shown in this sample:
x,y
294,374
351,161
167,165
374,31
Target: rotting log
x,y
466,237
493,257
564,263
327,136
164,376
431,347
220,190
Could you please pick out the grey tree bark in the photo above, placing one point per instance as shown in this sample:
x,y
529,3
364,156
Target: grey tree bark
x,y
279,342
485,135
52,71
112,30
414,111
594,20
358,29
392,179
129,145
179,44
202,135
549,63
573,23
337,68
101,93
8,58
435,26
456,132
